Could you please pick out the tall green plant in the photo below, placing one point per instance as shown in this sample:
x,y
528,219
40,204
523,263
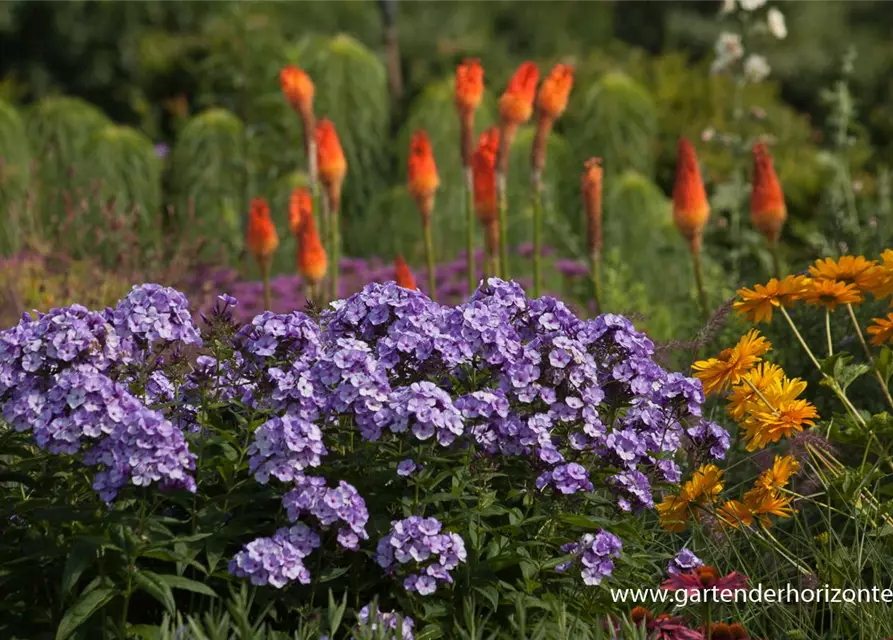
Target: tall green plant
x,y
15,177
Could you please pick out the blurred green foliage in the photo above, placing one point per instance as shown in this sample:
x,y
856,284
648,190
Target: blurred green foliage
x,y
202,78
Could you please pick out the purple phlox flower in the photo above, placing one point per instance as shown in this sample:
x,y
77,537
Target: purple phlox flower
x,y
421,542
343,504
279,560
683,562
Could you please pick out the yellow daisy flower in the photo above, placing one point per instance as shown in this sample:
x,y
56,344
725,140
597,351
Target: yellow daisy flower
x,y
882,330
706,482
757,303
762,377
764,427
779,474
735,513
858,271
831,293
716,374
765,503
673,513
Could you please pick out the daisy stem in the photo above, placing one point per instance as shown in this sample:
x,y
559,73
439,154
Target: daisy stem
x,y
831,382
828,331
877,374
760,395
699,280
469,231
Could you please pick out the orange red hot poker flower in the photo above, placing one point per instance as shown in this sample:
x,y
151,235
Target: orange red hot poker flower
x,y
261,238
311,256
402,275
423,180
297,88
331,163
469,85
468,93
551,101
300,205
591,187
767,207
483,165
690,207
516,104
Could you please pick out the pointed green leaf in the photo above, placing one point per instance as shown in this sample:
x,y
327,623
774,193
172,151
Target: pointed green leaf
x,y
179,582
82,555
155,586
80,611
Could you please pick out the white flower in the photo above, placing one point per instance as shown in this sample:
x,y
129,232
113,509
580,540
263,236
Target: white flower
x,y
728,6
777,26
708,134
728,50
752,5
756,68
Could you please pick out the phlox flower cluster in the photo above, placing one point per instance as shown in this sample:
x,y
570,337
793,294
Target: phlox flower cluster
x,y
595,553
683,562
343,504
278,560
387,620
58,380
423,542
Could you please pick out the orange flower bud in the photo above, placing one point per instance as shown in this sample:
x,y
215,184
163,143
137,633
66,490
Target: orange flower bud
x,y
690,207
298,89
591,187
300,205
469,85
516,104
483,167
767,208
422,173
311,258
402,275
555,90
331,163
260,237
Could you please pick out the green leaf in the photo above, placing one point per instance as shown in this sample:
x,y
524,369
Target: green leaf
x,y
179,582
843,373
155,586
80,611
82,555
333,574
